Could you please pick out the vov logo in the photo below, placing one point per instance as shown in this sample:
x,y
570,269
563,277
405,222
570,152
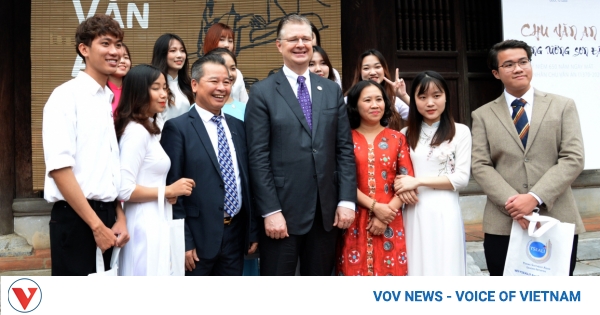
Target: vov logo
x,y
24,295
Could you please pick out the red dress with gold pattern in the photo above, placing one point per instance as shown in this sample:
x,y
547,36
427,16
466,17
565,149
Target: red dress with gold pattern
x,y
359,252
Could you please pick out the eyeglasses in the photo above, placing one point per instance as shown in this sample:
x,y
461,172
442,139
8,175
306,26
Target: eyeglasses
x,y
509,66
295,40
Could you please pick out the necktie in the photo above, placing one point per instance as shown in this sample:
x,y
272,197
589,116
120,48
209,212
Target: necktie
x,y
520,119
227,171
304,100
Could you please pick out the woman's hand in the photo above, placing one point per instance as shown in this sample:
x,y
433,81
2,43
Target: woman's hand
x,y
376,227
182,187
399,86
384,212
404,183
408,197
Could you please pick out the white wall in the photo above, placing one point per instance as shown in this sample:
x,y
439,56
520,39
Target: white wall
x,y
566,61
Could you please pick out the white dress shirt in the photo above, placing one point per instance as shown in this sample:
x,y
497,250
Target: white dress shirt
x,y
182,104
528,97
211,129
78,132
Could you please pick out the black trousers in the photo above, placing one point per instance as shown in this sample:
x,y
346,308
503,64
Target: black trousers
x,y
72,243
316,250
230,259
496,248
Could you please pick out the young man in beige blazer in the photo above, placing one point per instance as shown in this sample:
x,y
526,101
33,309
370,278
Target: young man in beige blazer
x,y
527,150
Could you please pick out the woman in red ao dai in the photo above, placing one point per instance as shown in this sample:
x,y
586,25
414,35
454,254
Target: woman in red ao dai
x,y
375,244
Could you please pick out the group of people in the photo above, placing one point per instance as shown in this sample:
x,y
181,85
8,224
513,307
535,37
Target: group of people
x,y
319,182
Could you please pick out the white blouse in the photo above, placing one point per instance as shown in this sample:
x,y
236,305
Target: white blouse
x,y
182,104
238,90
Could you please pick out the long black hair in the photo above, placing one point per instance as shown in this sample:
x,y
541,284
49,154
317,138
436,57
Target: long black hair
x,y
420,85
159,60
354,97
135,99
321,51
395,120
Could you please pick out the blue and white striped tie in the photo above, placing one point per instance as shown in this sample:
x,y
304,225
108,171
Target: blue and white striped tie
x,y
227,171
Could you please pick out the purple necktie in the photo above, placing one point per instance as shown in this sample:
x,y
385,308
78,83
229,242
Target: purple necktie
x,y
304,100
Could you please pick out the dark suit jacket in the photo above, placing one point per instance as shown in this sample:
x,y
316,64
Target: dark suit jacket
x,y
192,156
550,162
290,165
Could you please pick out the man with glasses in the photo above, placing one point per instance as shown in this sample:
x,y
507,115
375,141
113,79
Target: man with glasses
x,y
527,150
301,159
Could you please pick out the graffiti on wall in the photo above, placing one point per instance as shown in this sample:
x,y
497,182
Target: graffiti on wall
x,y
253,30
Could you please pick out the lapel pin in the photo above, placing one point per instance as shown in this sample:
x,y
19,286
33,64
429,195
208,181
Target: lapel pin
x,y
319,87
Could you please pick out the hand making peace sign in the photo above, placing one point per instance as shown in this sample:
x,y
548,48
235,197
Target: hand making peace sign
x,y
399,87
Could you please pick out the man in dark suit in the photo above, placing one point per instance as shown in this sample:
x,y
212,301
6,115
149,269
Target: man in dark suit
x,y
301,159
210,148
527,150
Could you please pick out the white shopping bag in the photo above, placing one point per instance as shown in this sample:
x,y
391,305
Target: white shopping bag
x,y
114,263
542,252
177,246
175,235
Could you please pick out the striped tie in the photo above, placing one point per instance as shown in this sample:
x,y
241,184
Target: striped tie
x,y
520,119
227,170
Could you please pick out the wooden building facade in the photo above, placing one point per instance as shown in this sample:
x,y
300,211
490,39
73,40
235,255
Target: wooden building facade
x,y
451,37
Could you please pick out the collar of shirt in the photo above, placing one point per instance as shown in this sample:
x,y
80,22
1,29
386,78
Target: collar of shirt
x,y
293,79
90,85
205,115
113,87
171,79
528,96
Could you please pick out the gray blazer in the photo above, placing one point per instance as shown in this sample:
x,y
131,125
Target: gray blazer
x,y
547,167
290,165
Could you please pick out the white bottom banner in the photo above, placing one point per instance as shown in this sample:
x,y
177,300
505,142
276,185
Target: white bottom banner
x,y
296,295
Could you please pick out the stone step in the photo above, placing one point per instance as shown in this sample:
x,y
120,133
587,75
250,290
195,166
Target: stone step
x,y
38,259
13,245
588,255
27,273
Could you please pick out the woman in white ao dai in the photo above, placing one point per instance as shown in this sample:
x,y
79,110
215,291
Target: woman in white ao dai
x,y
144,168
441,156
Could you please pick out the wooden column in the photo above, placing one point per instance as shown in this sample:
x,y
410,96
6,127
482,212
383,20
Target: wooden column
x,y
22,100
7,118
464,110
15,108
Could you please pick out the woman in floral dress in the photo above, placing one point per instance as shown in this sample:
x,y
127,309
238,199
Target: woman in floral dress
x,y
374,245
440,151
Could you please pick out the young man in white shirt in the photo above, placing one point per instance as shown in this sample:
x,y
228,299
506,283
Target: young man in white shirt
x,y
82,156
